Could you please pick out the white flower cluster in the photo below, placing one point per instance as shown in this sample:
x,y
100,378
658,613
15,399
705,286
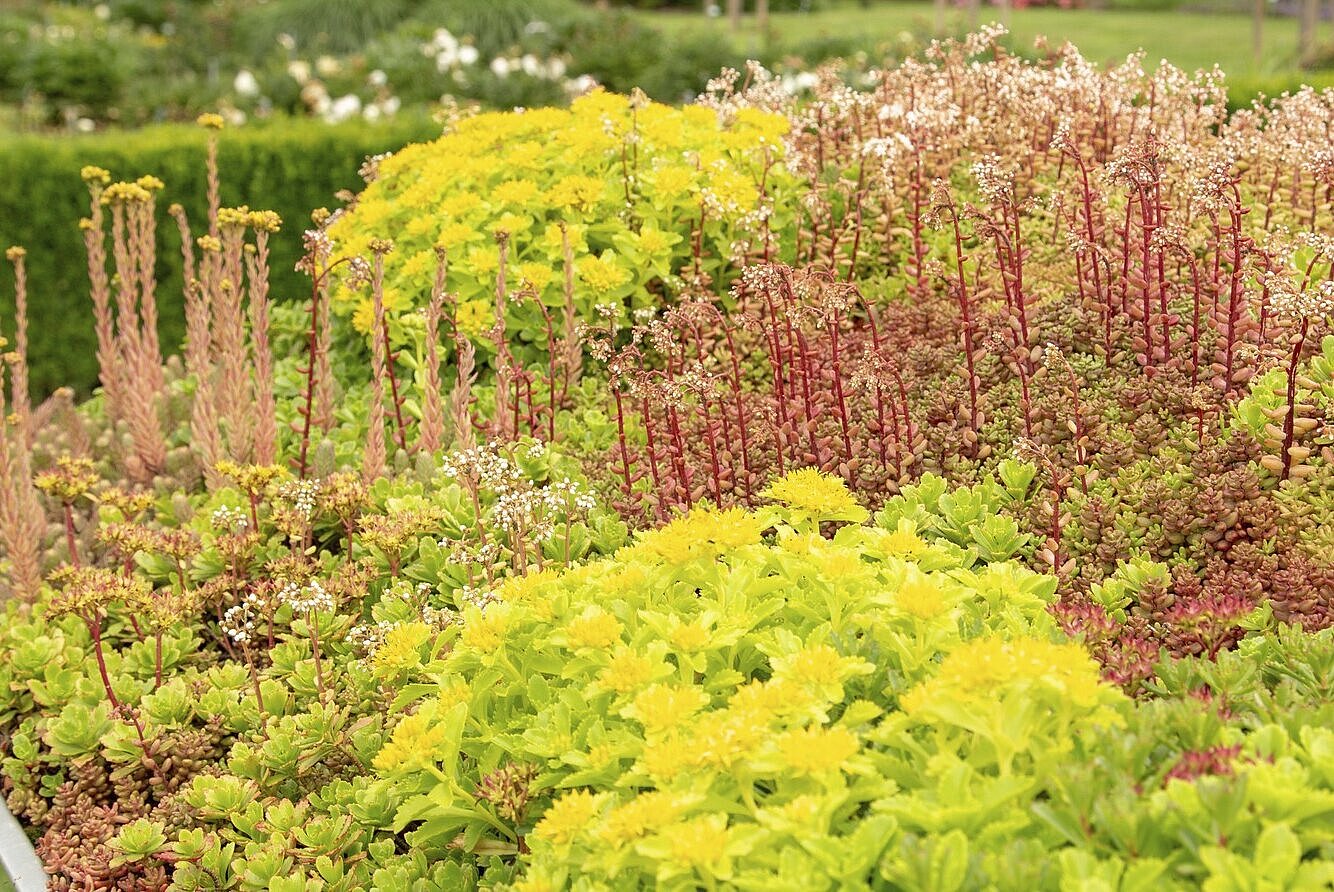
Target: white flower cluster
x,y
518,511
342,108
484,464
369,637
229,519
994,181
533,512
448,52
306,599
472,596
461,552
566,494
1313,304
238,623
457,57
303,495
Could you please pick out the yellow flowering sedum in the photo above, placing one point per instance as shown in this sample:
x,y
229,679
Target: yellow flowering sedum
x,y
922,595
704,532
627,670
663,707
902,540
414,743
527,173
698,843
821,669
595,628
982,669
817,750
641,815
484,630
734,688
401,650
569,816
815,496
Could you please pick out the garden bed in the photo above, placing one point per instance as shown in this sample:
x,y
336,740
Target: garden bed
x,y
921,484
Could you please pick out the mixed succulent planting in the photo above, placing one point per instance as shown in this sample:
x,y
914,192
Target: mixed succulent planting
x,y
921,484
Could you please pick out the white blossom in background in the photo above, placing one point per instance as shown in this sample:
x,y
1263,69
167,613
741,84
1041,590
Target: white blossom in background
x,y
443,40
800,82
245,84
343,108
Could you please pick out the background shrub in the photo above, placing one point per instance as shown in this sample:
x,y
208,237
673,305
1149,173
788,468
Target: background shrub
x,y
288,167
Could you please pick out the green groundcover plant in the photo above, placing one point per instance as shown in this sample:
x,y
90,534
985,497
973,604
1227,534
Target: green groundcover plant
x,y
734,700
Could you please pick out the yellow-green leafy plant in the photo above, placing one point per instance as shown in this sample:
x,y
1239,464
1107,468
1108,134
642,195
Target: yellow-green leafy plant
x,y
738,699
562,210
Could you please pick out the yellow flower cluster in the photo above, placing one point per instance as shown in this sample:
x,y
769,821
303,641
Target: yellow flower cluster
x,y
984,668
620,187
414,743
401,650
704,532
816,496
821,669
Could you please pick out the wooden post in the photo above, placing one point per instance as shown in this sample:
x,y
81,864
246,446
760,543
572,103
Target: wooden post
x,y
734,14
1258,32
762,19
1310,13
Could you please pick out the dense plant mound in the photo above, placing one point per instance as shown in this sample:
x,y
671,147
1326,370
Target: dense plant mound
x,y
603,203
225,634
736,700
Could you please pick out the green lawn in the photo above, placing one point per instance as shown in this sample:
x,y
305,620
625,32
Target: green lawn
x,y
1188,40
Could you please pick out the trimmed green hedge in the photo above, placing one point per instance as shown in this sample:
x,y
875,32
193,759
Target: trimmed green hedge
x,y
1242,90
290,167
